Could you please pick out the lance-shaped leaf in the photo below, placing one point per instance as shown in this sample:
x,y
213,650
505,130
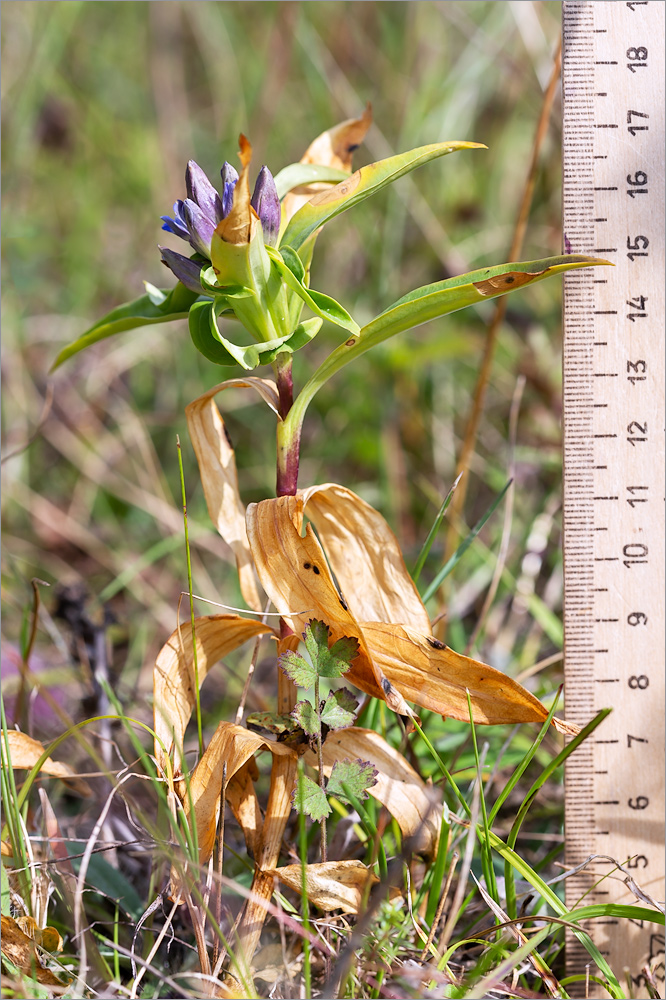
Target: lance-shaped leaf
x,y
231,745
365,556
173,678
332,149
25,751
155,307
361,185
416,806
331,885
432,675
427,303
298,175
294,573
289,266
217,468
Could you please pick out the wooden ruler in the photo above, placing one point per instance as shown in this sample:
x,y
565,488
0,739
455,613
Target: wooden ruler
x,y
613,195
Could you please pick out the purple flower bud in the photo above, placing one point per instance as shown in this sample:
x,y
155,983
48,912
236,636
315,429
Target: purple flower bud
x,y
199,226
187,271
266,204
229,178
176,225
201,191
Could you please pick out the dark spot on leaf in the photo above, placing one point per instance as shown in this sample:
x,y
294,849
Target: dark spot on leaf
x,y
228,438
510,280
315,570
435,643
343,603
386,684
350,342
306,565
350,149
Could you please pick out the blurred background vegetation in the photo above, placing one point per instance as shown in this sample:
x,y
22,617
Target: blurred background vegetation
x,y
103,104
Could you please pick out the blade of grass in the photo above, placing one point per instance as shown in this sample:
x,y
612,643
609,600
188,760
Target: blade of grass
x,y
462,548
303,850
529,798
197,695
486,856
432,534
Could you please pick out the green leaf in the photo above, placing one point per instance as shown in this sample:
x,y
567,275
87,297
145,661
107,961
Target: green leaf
x,y
354,776
302,174
425,304
361,185
334,715
346,700
305,716
288,265
328,663
309,798
143,311
302,673
206,336
6,895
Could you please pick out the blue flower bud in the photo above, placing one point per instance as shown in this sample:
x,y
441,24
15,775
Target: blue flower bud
x,y
176,225
201,191
229,179
266,204
187,271
199,226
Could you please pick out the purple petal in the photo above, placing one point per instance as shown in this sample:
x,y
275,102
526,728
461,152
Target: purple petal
x,y
187,271
199,225
177,224
266,204
229,178
201,191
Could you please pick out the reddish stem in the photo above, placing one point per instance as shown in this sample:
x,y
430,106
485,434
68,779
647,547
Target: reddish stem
x,y
288,449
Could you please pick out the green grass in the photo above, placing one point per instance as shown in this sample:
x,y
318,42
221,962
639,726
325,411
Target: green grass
x,y
102,106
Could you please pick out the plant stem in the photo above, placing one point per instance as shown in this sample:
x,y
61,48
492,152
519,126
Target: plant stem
x,y
320,763
288,435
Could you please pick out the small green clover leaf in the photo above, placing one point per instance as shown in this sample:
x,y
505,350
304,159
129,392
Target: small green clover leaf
x,y
296,667
353,777
305,716
310,799
334,714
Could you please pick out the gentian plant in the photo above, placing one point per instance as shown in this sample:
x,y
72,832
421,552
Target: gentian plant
x,y
243,290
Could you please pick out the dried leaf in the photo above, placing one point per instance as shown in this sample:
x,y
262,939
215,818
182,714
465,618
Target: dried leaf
x,y
506,282
333,148
244,803
415,805
173,682
294,573
19,949
217,467
332,885
25,752
434,676
231,745
47,937
365,556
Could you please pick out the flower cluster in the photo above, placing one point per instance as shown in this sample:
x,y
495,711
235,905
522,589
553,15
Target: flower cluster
x,y
196,217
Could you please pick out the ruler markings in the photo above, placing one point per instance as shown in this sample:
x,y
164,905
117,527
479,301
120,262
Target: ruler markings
x,y
613,178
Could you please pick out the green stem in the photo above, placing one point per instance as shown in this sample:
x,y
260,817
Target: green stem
x,y
320,761
288,438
